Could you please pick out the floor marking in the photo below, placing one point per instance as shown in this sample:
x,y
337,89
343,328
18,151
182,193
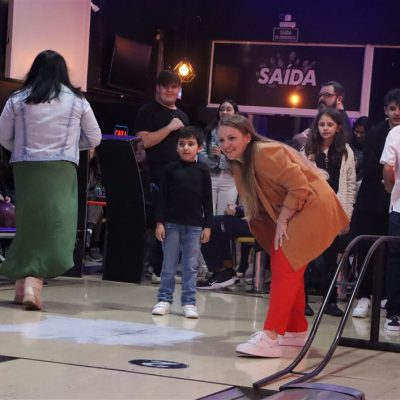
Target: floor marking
x,y
98,331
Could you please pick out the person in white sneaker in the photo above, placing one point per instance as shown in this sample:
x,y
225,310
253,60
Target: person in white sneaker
x,y
391,176
184,216
285,199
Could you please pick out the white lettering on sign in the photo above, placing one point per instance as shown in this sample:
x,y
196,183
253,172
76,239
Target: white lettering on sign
x,y
291,77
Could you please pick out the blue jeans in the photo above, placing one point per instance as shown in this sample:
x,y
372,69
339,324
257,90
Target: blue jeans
x,y
393,268
186,238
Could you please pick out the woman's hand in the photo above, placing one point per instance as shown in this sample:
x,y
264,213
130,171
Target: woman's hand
x,y
160,232
281,226
280,233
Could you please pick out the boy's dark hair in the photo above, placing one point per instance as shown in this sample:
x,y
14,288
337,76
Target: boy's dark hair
x,y
392,96
168,77
192,131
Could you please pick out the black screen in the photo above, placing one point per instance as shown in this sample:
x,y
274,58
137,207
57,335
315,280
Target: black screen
x,y
129,65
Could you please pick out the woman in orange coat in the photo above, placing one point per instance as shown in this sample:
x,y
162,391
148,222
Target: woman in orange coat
x,y
293,213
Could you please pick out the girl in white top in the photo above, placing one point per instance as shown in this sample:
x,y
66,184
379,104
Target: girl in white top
x,y
327,148
224,191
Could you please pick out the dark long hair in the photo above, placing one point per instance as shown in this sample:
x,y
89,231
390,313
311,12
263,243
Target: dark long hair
x,y
366,123
314,142
214,124
45,77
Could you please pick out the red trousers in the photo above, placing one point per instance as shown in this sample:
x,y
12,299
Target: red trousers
x,y
287,298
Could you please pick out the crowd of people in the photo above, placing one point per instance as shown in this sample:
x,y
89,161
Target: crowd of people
x,y
207,188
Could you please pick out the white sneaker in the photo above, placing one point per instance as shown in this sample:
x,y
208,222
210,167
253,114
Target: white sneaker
x,y
260,345
155,279
392,324
161,308
383,304
190,311
297,339
362,308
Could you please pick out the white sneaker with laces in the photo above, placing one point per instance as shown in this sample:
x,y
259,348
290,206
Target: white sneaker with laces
x,y
260,345
161,308
362,308
190,311
297,339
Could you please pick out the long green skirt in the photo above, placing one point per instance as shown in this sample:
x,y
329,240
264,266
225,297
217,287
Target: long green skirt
x,y
46,217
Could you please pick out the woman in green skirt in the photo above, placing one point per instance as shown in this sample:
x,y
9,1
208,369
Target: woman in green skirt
x,y
44,124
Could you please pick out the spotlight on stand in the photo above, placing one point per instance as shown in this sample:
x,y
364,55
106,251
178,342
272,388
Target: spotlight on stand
x,y
185,70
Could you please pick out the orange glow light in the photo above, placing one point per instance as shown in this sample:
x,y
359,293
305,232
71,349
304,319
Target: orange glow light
x,y
294,99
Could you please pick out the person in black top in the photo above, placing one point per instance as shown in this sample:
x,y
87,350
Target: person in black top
x,y
158,123
184,214
371,211
360,127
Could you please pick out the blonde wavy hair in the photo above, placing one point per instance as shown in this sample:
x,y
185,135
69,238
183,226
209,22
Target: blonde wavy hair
x,y
249,197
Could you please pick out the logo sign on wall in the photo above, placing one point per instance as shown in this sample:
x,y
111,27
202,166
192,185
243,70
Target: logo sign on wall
x,y
287,31
159,364
264,77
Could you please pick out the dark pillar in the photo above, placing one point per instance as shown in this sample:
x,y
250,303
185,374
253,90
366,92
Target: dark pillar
x,y
121,163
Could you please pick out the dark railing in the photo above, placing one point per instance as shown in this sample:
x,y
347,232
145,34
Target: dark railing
x,y
373,343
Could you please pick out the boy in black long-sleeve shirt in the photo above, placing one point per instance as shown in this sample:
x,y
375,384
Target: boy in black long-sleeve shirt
x,y
184,217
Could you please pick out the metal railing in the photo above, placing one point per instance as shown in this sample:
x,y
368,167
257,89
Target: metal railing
x,y
379,242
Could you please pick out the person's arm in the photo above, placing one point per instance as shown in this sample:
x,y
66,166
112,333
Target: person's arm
x,y
389,159
281,226
7,121
207,198
205,159
160,232
205,235
388,177
160,206
151,139
348,197
90,130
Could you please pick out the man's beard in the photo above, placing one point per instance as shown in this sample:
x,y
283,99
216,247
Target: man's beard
x,y
322,105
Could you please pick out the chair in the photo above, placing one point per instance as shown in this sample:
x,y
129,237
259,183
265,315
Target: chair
x,y
259,263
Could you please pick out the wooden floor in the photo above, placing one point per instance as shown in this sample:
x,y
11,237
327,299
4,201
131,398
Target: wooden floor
x,y
98,340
